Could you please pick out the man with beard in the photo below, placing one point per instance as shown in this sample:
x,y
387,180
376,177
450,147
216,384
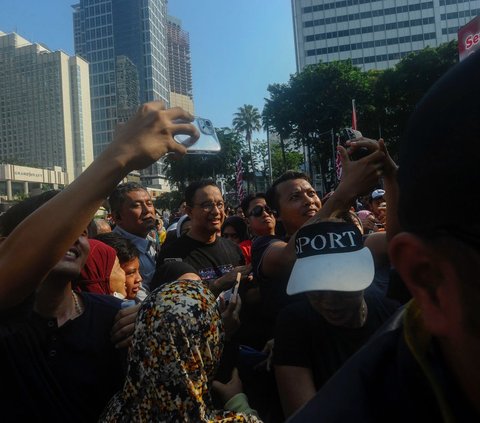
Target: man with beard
x,y
55,348
60,336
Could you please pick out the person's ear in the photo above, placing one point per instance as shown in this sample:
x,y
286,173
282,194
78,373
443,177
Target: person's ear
x,y
188,210
428,279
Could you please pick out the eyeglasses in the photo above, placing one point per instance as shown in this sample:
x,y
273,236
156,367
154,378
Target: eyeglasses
x,y
257,211
209,205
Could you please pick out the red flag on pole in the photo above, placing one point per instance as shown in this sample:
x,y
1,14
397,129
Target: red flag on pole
x,y
239,179
354,116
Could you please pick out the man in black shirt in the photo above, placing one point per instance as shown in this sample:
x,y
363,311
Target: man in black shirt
x,y
297,204
313,338
424,366
58,363
216,260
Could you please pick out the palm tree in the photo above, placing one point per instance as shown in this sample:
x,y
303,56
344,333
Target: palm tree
x,y
248,120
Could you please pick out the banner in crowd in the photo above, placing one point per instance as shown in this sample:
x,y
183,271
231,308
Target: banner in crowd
x,y
239,179
469,38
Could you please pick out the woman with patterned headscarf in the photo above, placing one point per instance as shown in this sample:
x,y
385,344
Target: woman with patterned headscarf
x,y
174,356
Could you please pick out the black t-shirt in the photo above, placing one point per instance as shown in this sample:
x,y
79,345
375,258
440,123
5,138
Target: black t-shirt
x,y
273,290
60,374
210,260
303,338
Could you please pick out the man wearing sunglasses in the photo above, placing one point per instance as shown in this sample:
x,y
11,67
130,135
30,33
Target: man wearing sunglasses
x,y
260,220
425,365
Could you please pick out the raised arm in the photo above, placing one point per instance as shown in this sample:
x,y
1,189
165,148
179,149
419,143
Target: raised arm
x,y
40,241
358,177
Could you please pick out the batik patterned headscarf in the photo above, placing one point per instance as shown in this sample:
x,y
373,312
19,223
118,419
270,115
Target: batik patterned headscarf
x,y
176,348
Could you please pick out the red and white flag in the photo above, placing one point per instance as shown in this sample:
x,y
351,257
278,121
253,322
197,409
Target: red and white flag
x,y
239,179
354,116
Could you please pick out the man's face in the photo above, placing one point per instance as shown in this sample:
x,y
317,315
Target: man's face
x,y
182,209
137,214
263,224
208,210
74,259
298,202
133,277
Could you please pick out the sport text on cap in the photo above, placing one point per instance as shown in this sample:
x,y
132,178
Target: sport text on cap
x,y
330,256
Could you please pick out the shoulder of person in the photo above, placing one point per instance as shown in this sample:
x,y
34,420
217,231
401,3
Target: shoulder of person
x,y
264,241
99,301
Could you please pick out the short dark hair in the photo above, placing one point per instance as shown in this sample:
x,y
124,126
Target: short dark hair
x,y
126,250
245,204
20,211
272,194
194,186
238,224
117,197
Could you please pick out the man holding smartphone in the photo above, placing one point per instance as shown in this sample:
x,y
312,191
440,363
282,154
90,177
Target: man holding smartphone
x,y
424,365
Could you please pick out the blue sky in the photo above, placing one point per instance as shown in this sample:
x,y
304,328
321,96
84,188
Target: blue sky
x,y
238,46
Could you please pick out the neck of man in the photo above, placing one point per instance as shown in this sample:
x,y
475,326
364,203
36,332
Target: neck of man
x,y
463,362
54,299
201,235
140,234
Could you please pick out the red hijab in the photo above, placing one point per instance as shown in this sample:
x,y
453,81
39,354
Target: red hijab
x,y
95,275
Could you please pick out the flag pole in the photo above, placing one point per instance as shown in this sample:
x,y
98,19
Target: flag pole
x,y
354,115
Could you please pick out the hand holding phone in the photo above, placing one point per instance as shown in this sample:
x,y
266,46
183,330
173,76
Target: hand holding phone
x,y
348,134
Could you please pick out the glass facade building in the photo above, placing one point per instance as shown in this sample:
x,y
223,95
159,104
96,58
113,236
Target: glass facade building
x,y
374,34
124,42
45,118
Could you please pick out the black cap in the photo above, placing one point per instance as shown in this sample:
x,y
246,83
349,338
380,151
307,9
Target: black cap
x,y
440,153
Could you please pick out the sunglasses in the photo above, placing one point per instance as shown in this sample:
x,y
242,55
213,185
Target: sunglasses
x,y
257,211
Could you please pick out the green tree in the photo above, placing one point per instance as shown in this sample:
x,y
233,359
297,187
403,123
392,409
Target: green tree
x,y
248,120
398,89
317,100
169,200
287,159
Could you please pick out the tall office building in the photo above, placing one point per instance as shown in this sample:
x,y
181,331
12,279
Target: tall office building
x,y
179,65
44,107
124,42
374,34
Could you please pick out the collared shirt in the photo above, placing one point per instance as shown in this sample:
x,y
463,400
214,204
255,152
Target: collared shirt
x,y
148,254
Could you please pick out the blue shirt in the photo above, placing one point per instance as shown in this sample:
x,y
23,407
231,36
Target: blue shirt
x,y
148,254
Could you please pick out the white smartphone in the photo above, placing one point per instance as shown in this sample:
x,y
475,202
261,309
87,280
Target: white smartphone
x,y
207,143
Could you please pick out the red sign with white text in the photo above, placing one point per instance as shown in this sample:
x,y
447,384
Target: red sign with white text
x,y
469,38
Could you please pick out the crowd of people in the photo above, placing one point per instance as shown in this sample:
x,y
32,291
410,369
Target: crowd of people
x,y
360,305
